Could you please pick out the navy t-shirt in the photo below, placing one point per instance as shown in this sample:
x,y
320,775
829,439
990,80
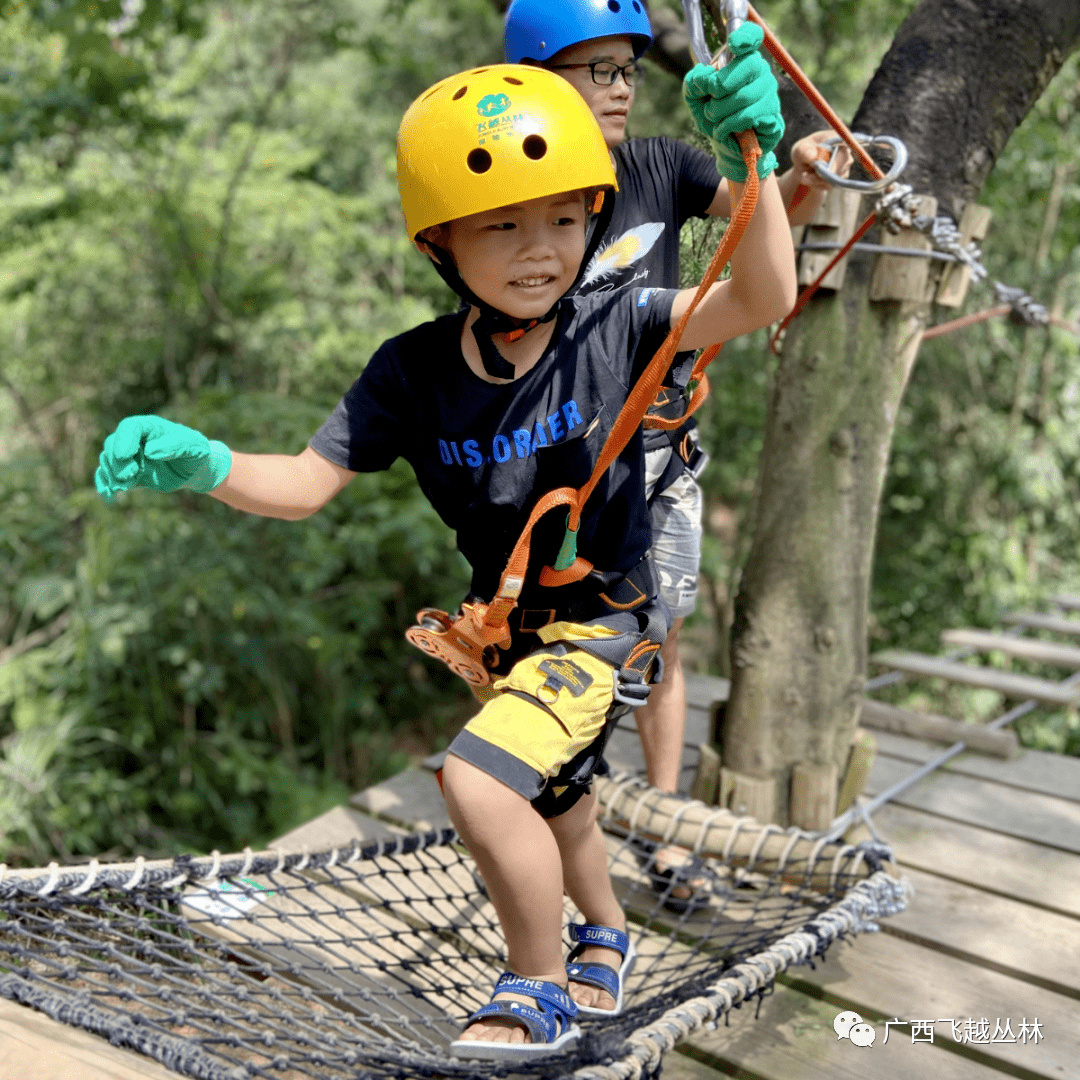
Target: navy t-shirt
x,y
484,453
662,184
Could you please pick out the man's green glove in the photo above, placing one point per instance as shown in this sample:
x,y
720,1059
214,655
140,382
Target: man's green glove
x,y
151,452
739,97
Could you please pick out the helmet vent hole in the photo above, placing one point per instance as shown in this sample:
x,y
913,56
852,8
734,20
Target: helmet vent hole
x,y
479,161
460,94
430,92
512,81
614,5
535,147
637,7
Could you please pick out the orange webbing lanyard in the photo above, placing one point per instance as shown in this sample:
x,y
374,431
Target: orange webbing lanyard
x,y
464,642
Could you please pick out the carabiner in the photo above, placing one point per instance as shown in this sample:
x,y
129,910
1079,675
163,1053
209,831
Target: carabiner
x,y
733,13
900,159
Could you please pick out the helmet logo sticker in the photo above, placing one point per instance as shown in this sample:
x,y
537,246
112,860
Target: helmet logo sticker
x,y
493,104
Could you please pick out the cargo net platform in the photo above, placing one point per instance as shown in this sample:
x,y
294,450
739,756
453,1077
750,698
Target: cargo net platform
x,y
364,961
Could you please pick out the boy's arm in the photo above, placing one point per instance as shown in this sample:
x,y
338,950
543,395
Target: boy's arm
x,y
159,454
281,486
742,96
762,286
803,155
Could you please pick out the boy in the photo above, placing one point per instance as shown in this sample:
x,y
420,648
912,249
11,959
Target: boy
x,y
493,406
596,47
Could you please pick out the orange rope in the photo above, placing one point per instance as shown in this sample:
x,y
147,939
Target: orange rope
x,y
630,416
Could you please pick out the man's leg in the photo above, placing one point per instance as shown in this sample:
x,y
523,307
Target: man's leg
x,y
661,721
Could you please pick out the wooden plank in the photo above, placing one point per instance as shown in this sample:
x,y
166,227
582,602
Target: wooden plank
x,y
904,277
1068,601
706,691
1042,652
338,827
411,799
882,977
33,1046
1009,936
1030,770
1019,687
1055,624
834,223
1042,819
974,221
792,1038
980,857
943,729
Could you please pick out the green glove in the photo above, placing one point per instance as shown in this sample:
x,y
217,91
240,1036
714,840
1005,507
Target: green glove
x,y
742,96
151,452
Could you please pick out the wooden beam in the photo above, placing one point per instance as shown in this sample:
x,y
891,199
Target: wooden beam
x,y
859,763
974,222
748,796
1019,687
904,277
834,223
1055,624
707,776
1043,652
1042,819
943,729
1068,601
813,795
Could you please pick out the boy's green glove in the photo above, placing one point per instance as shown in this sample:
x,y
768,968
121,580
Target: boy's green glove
x,y
151,452
742,96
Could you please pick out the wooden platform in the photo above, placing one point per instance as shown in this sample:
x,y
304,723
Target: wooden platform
x,y
992,935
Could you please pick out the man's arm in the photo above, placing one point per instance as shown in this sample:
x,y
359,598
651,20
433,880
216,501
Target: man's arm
x,y
803,155
281,486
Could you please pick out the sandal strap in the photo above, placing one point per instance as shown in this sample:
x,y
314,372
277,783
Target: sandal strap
x,y
540,1026
586,934
602,976
546,993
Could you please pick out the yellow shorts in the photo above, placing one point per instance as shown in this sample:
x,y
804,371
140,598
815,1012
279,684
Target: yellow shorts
x,y
554,703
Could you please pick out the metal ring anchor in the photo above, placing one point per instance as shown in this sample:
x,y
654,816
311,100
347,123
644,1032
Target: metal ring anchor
x,y
900,160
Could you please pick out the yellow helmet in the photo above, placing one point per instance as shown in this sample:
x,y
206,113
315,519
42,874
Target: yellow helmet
x,y
494,136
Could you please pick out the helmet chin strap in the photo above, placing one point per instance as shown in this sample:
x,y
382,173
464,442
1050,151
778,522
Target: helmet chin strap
x,y
492,321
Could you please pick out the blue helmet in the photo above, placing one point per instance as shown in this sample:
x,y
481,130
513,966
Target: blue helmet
x,y
538,29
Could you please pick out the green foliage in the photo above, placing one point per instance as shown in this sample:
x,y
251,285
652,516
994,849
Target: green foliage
x,y
223,245
218,676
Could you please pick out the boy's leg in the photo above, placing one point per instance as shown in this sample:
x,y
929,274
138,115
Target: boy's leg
x,y
519,858
588,883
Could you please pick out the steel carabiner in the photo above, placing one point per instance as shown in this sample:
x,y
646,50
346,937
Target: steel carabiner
x,y
900,159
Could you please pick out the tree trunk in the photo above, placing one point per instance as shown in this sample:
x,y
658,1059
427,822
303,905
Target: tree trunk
x,y
959,77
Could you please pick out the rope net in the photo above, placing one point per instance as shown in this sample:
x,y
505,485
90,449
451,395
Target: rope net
x,y
363,961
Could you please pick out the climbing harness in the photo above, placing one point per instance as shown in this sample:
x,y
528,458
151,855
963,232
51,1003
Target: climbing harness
x,y
468,643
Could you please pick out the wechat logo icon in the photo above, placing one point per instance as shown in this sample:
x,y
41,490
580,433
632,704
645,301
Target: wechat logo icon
x,y
849,1025
493,104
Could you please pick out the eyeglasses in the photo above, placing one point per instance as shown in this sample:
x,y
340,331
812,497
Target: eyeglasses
x,y
604,72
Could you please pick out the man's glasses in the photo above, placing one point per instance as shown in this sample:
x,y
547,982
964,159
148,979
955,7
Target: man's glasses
x,y
604,72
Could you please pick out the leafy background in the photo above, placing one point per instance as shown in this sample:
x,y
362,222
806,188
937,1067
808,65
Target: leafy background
x,y
199,217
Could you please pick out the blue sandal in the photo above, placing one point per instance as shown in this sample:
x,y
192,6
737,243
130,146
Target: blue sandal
x,y
602,976
549,1024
